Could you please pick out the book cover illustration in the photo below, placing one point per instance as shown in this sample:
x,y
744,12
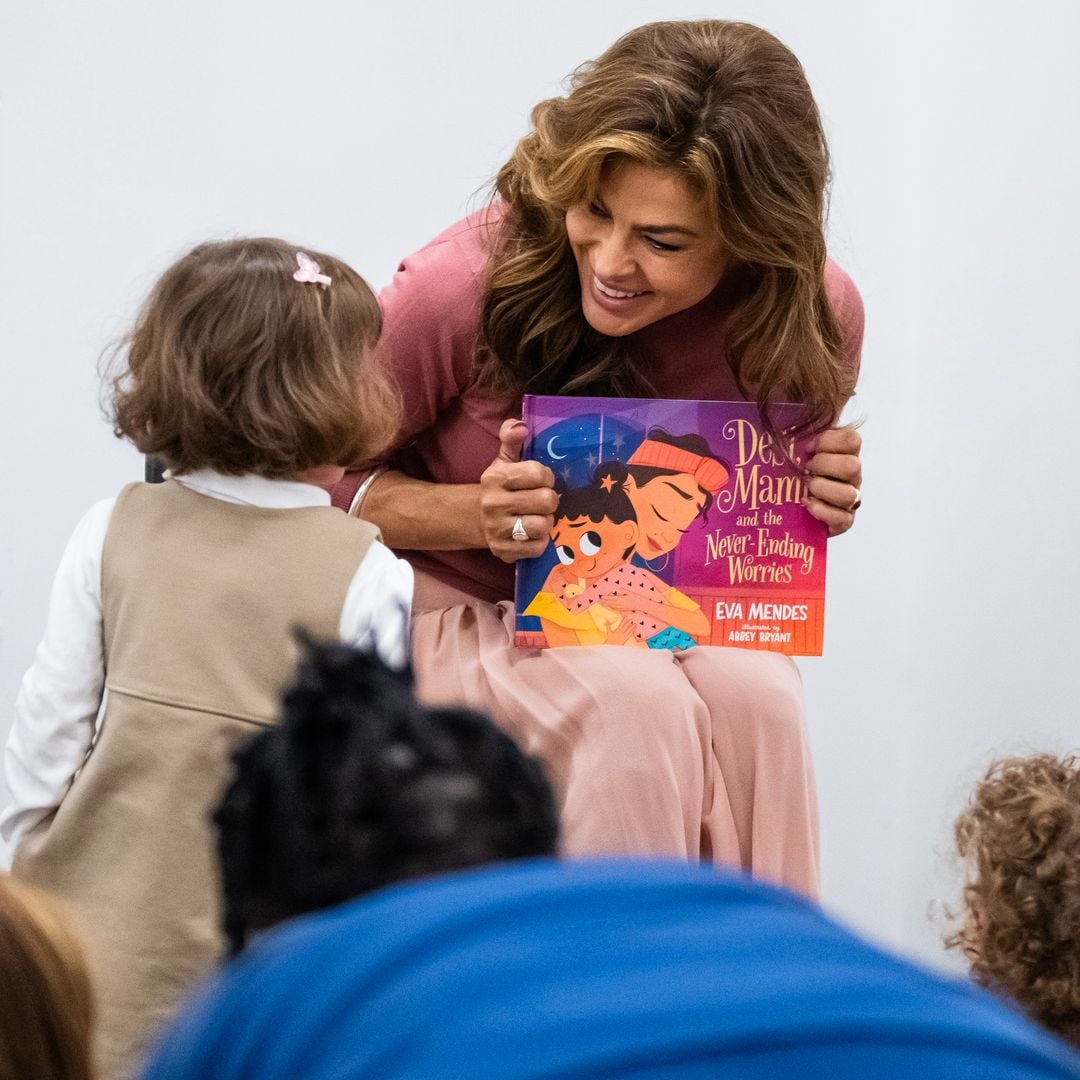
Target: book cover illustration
x,y
679,524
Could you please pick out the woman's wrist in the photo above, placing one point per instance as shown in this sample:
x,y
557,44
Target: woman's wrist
x,y
418,515
356,507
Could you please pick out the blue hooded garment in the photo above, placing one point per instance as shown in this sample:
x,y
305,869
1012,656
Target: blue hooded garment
x,y
536,970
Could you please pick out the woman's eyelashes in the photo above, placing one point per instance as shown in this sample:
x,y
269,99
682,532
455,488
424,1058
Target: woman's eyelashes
x,y
665,520
599,211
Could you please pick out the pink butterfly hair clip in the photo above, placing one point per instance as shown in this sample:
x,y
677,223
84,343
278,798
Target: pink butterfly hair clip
x,y
309,270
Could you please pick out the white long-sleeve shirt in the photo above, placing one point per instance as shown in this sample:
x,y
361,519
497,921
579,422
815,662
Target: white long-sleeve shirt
x,y
58,702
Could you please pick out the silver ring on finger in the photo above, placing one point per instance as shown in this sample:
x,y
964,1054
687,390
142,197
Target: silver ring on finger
x,y
857,503
519,532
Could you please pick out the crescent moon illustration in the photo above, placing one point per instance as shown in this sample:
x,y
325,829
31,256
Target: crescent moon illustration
x,y
551,449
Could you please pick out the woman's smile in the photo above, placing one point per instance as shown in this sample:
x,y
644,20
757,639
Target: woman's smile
x,y
612,292
613,299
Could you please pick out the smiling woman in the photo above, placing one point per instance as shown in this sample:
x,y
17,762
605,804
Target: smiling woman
x,y
658,232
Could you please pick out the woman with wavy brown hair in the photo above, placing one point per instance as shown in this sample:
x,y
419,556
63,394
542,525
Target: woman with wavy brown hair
x,y
659,232
46,1005
1020,838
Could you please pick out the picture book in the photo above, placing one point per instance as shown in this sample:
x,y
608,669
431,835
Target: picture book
x,y
680,523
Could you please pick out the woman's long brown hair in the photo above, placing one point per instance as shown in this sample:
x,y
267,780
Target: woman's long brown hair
x,y
728,106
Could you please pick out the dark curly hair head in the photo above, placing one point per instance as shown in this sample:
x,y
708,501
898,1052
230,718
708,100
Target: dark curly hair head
x,y
360,787
1020,836
597,500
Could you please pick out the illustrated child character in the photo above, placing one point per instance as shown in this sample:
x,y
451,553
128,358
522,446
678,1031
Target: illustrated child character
x,y
594,595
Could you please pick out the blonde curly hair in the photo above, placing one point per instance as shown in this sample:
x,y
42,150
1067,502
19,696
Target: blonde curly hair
x,y
1020,836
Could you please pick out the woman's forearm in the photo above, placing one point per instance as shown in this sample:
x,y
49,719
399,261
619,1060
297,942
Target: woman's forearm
x,y
418,515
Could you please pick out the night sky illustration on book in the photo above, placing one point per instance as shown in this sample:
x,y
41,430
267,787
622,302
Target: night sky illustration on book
x,y
680,524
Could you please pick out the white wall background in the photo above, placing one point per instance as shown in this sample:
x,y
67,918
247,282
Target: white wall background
x,y
128,131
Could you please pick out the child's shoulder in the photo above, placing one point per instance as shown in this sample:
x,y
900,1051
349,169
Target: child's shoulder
x,y
79,570
94,523
329,534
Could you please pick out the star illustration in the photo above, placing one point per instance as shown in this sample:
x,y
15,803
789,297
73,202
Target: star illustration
x,y
608,482
618,441
565,474
591,459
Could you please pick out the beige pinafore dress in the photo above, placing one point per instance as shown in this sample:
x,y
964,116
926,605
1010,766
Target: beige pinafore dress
x,y
200,599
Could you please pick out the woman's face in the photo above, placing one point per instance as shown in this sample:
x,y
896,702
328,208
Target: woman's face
x,y
666,506
645,249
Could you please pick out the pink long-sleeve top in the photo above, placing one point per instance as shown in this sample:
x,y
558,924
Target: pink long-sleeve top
x,y
450,432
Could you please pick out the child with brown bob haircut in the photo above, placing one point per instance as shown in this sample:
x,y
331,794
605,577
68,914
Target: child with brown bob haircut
x,y
252,370
1020,836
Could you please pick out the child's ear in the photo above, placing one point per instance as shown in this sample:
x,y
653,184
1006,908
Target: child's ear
x,y
630,531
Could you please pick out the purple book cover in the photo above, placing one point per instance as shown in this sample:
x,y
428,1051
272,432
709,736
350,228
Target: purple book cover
x,y
679,524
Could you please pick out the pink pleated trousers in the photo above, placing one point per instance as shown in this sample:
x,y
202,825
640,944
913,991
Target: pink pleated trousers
x,y
699,754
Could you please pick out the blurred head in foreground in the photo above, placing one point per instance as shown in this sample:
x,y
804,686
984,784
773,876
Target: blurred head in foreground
x,y
542,969
361,787
1020,837
46,1006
